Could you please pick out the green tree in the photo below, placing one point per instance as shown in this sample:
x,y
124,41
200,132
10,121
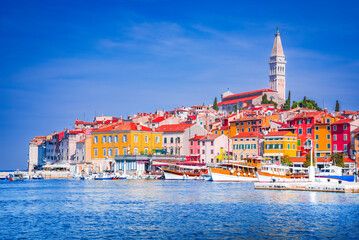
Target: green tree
x,y
285,160
215,105
337,108
235,108
304,102
295,104
307,162
289,99
338,159
264,99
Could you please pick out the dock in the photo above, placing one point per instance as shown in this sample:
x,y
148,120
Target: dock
x,y
344,187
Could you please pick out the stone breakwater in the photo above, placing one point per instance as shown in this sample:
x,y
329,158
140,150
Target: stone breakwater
x,y
316,187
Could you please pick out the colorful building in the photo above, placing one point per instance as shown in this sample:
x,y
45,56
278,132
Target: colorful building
x,y
121,139
340,133
278,144
257,124
247,145
322,135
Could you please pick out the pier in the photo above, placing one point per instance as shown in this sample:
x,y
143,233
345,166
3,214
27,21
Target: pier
x,y
346,187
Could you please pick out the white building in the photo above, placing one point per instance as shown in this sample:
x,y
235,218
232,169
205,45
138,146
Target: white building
x,y
36,153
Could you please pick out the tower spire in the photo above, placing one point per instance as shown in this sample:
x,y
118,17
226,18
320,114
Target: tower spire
x,y
277,67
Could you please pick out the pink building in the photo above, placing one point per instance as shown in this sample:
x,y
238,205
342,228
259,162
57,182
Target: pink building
x,y
340,132
195,148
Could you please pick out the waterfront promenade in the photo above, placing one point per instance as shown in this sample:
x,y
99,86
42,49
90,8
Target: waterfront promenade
x,y
138,209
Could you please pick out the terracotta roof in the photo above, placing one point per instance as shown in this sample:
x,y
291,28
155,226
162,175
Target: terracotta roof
x,y
342,121
127,126
211,136
197,137
81,141
83,122
236,100
248,134
174,127
158,119
256,91
75,132
280,133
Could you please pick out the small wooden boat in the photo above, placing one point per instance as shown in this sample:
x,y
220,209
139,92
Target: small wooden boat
x,y
185,171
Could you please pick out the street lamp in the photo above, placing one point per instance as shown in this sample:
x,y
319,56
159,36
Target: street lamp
x,y
355,164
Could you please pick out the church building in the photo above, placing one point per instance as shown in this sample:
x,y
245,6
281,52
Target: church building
x,y
276,92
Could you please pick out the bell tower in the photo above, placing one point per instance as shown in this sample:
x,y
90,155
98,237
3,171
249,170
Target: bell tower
x,y
277,67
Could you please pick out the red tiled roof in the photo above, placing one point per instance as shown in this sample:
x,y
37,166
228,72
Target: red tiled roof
x,y
158,119
81,141
127,126
256,91
342,121
197,137
248,134
280,133
174,127
83,122
75,132
237,100
283,124
211,136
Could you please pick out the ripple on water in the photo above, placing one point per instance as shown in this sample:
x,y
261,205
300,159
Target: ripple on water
x,y
62,209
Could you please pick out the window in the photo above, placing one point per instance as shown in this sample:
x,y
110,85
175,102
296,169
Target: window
x,y
95,152
212,143
253,129
197,151
157,139
328,136
203,151
135,151
288,146
345,137
300,122
309,121
104,139
104,152
178,140
171,139
298,143
309,130
165,141
95,139
203,143
253,122
191,151
249,123
110,152
237,130
110,139
300,131
216,132
124,138
212,151
334,128
135,138
115,138
146,139
317,137
237,123
328,128
334,137
328,146
316,128
171,151
242,129
249,129
328,120
191,143
146,151
242,123
293,146
318,154
345,127
345,147
335,147
116,151
317,146
222,132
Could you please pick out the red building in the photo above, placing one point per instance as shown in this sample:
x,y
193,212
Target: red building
x,y
304,128
340,133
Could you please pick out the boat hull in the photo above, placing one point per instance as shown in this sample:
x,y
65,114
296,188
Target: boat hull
x,y
174,175
222,175
278,178
334,179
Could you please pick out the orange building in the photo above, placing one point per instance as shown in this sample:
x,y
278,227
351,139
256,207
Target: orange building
x,y
251,124
322,136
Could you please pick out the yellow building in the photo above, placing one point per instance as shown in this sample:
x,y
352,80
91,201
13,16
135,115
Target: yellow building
x,y
222,130
121,139
278,144
322,136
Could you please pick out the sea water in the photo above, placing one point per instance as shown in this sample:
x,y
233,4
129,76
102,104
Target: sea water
x,y
143,209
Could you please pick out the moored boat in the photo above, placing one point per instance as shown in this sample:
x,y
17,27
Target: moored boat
x,y
17,176
185,171
281,173
233,172
333,174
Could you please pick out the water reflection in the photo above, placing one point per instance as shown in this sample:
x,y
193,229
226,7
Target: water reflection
x,y
170,209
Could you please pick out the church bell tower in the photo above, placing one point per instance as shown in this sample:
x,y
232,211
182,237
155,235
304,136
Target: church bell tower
x,y
277,67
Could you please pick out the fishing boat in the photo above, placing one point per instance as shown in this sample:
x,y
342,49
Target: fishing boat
x,y
233,172
17,176
104,176
185,171
281,173
333,174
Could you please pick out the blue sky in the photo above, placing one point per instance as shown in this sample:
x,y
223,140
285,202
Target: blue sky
x,y
62,60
